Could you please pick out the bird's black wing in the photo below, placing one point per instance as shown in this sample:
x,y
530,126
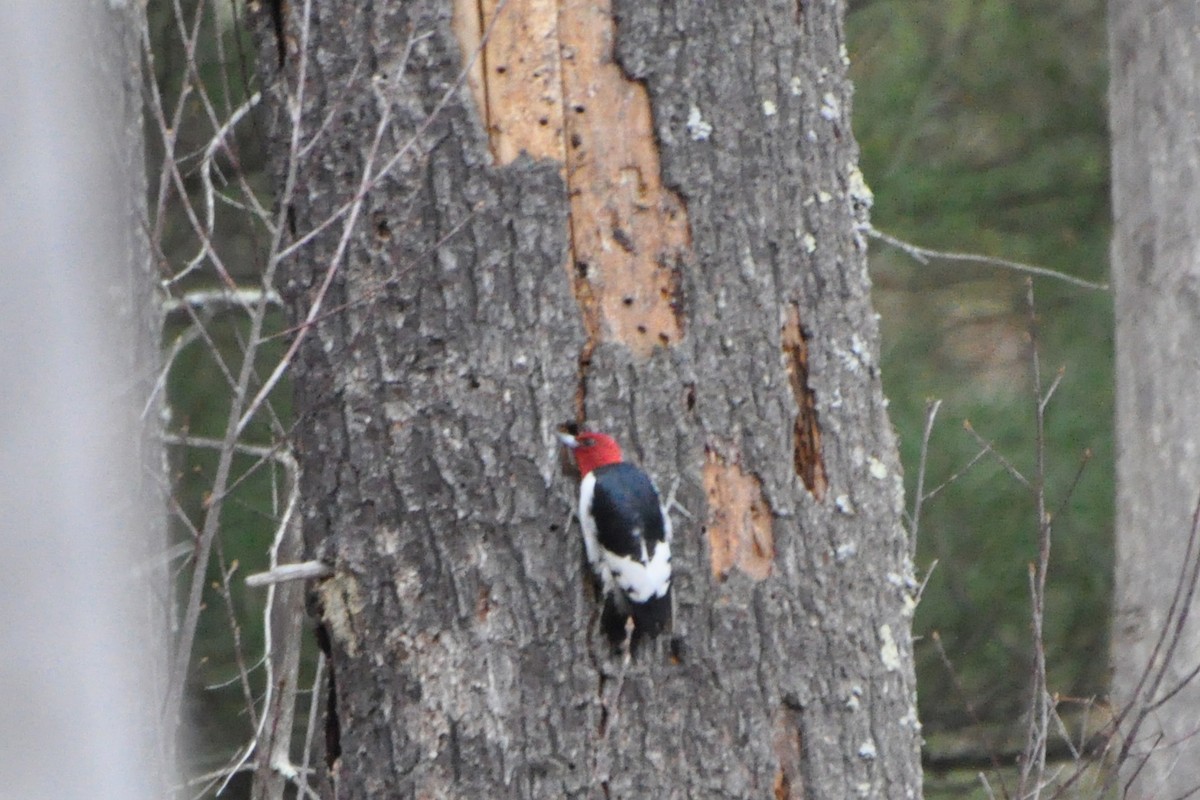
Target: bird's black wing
x,y
625,502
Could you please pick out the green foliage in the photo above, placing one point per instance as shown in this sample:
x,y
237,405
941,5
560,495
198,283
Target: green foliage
x,y
199,398
982,127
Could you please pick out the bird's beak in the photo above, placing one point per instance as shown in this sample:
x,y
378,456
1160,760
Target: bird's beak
x,y
567,440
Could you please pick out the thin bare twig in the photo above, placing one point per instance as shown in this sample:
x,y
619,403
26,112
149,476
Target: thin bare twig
x,y
216,301
1084,460
239,656
314,713
988,448
305,570
1033,763
935,491
923,255
931,411
961,691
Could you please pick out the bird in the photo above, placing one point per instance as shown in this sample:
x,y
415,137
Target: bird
x,y
626,537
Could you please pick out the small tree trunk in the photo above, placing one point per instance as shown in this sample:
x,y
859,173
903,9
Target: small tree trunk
x,y
645,217
1154,99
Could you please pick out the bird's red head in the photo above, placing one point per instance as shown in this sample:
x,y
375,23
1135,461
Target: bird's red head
x,y
592,450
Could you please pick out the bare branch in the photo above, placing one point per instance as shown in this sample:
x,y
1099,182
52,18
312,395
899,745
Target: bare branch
x,y
923,255
1033,764
931,410
218,301
283,573
1009,467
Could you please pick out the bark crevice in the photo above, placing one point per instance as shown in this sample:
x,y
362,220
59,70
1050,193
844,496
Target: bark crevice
x,y
806,429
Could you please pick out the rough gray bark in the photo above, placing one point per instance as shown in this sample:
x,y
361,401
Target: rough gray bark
x,y
460,618
82,503
1154,99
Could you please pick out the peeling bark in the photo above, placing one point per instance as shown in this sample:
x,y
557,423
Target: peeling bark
x,y
545,83
739,521
642,273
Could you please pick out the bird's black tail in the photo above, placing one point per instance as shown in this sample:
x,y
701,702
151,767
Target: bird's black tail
x,y
649,619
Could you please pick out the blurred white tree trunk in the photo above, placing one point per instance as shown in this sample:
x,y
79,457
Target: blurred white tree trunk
x,y
1154,101
81,523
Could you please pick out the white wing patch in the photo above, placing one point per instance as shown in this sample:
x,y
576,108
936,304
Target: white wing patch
x,y
639,580
587,488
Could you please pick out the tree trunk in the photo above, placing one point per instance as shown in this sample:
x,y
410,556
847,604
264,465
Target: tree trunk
x,y
645,217
1154,97
82,500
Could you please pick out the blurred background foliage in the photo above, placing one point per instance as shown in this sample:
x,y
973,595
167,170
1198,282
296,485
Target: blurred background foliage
x,y
983,128
982,125
198,390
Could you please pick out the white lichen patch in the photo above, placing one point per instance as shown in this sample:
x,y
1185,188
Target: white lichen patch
x,y
844,506
769,108
877,468
341,600
697,128
796,86
867,750
388,541
859,191
823,197
845,551
809,243
889,652
831,109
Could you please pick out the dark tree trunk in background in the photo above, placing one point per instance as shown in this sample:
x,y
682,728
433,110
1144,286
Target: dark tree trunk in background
x,y
1154,101
650,226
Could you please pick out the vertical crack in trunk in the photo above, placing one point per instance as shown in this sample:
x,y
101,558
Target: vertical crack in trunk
x,y
806,430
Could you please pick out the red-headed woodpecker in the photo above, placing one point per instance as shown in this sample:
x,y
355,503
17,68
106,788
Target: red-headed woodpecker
x,y
626,535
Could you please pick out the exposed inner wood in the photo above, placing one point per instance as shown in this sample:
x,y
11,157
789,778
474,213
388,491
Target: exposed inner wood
x,y
806,430
788,748
739,520
467,24
516,78
546,84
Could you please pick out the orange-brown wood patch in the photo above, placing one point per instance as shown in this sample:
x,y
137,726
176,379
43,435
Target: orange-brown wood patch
x,y
786,743
516,78
546,84
739,521
806,430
